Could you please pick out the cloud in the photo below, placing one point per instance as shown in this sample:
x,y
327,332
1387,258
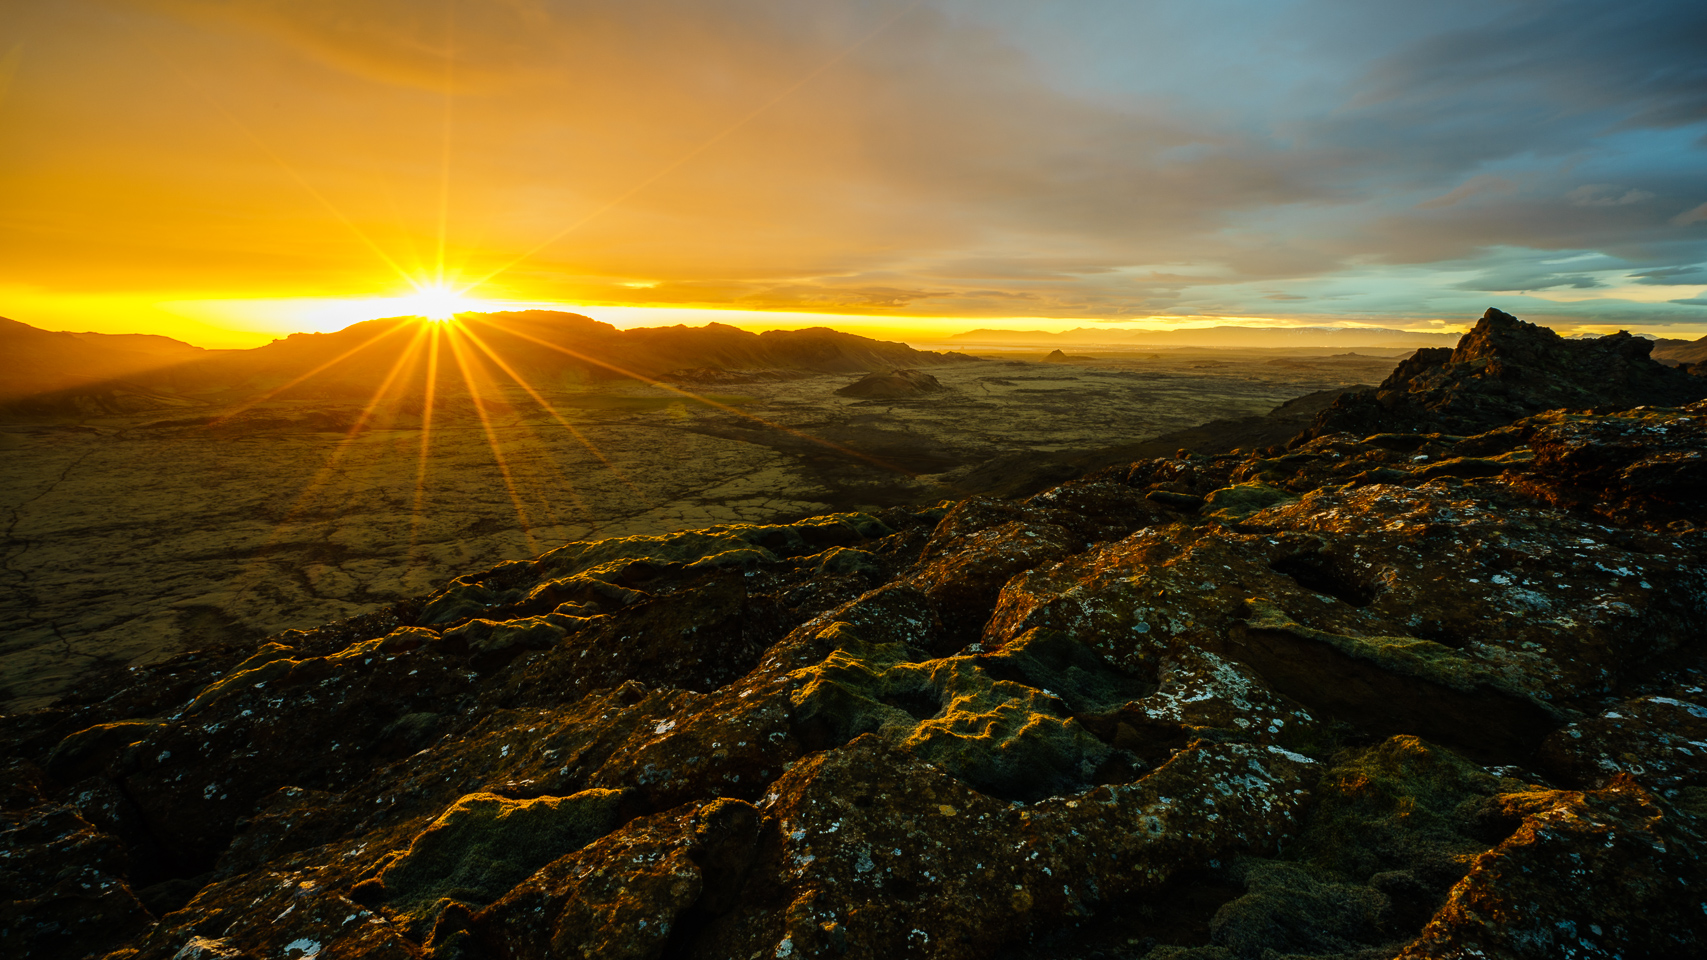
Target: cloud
x,y
1497,283
1673,276
1692,215
1638,64
1091,160
1605,195
1469,188
410,43
1513,269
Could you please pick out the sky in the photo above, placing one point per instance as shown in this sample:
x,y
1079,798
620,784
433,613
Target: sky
x,y
227,171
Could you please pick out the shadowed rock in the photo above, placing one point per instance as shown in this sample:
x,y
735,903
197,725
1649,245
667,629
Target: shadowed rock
x,y
1502,370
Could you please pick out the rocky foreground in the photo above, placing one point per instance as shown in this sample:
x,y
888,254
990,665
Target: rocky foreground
x,y
1418,692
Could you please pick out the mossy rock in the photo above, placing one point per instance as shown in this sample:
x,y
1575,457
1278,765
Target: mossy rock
x,y
742,558
85,752
1005,738
484,845
1052,661
1241,500
1384,844
1401,804
690,547
1405,656
1293,909
490,637
458,603
271,663
845,561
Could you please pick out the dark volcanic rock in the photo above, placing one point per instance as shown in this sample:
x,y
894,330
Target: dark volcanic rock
x,y
1404,693
1505,369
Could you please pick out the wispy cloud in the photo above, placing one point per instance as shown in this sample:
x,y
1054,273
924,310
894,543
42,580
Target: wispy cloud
x,y
1606,195
1468,189
1692,215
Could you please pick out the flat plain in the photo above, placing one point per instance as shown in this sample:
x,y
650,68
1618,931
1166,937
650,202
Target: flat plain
x,y
131,537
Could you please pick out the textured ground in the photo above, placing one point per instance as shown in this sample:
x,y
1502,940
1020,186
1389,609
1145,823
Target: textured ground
x,y
1364,699
1402,694
129,538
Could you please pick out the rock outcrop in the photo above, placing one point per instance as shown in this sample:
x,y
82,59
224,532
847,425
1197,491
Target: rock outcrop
x,y
1377,695
1503,369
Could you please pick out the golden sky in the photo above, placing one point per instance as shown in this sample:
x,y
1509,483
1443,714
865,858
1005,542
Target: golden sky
x,y
229,170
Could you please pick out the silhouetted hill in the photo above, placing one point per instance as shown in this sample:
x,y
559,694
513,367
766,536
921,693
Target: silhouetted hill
x,y
545,349
40,360
1680,351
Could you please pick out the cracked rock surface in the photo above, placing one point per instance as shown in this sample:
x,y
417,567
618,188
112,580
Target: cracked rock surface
x,y
1389,695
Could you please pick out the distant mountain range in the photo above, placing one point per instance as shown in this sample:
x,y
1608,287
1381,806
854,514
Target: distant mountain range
x,y
1680,351
90,373
1222,336
93,373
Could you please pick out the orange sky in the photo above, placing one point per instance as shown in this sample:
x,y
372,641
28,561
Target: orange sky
x,y
229,170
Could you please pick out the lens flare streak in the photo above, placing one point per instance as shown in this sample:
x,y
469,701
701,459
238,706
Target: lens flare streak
x,y
464,362
689,395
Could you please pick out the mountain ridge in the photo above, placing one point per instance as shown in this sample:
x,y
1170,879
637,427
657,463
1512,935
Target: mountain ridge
x,y
543,347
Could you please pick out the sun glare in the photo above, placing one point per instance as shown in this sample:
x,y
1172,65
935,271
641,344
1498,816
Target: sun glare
x,y
436,302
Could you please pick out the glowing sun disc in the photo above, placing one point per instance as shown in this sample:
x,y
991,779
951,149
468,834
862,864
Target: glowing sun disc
x,y
435,303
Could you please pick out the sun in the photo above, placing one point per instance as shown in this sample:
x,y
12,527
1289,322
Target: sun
x,y
439,302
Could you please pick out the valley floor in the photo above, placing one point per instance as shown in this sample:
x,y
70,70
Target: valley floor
x,y
131,538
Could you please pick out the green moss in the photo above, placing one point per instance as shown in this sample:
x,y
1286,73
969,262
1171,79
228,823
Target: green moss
x,y
1241,500
484,845
618,552
741,558
1051,660
1375,860
690,546
1005,738
1292,909
488,636
458,603
1406,656
1398,805
843,561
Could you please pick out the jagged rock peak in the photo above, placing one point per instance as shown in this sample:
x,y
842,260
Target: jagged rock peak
x,y
1499,335
1505,369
